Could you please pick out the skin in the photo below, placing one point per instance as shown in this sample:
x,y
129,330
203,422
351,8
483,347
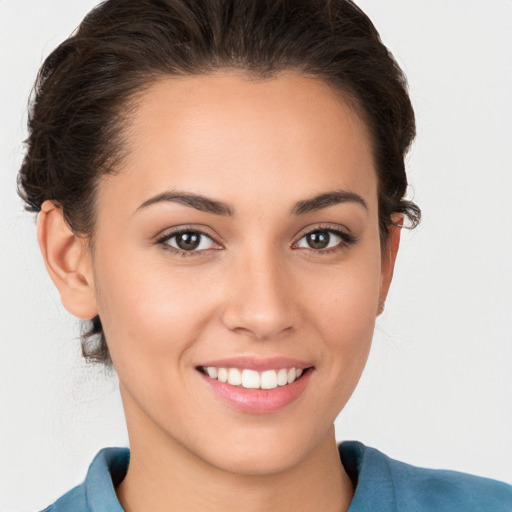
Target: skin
x,y
254,288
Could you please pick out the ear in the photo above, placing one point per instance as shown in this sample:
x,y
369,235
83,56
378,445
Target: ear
x,y
68,261
389,252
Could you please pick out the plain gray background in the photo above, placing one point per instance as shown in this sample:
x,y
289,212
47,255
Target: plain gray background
x,y
438,387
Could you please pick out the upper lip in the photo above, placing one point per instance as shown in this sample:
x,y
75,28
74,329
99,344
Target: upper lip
x,y
257,363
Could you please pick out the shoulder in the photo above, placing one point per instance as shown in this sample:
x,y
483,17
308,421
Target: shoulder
x,y
74,500
409,488
97,492
440,490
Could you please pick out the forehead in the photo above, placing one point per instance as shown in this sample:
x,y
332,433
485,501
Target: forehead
x,y
227,133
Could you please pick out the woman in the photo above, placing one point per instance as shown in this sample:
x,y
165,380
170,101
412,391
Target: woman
x,y
220,188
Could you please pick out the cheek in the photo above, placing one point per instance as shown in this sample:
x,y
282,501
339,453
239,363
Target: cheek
x,y
146,309
345,305
347,297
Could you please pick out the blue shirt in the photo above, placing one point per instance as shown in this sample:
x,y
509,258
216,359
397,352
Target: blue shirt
x,y
382,485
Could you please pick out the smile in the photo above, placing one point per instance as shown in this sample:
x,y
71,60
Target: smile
x,y
252,379
257,386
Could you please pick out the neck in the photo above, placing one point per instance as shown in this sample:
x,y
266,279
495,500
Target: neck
x,y
166,476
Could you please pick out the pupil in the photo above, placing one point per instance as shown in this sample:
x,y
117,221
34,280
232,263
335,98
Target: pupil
x,y
318,239
188,241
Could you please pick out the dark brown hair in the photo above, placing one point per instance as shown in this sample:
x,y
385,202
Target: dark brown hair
x,y
83,90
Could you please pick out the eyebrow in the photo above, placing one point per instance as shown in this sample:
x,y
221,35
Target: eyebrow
x,y
198,202
328,199
208,205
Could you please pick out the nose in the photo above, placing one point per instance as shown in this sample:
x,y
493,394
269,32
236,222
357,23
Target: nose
x,y
260,299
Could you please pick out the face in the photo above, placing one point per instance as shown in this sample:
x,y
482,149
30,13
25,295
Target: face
x,y
239,241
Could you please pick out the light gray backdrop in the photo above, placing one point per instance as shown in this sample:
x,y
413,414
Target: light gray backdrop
x,y
438,386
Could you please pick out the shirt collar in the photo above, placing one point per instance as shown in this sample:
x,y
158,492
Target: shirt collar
x,y
367,468
106,471
370,473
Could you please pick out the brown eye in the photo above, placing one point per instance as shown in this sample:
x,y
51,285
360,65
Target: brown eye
x,y
324,239
318,239
190,241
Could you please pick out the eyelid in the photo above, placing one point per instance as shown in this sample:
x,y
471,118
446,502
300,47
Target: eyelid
x,y
166,234
338,229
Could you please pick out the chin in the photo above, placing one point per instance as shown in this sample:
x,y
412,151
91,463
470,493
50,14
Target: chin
x,y
254,461
264,453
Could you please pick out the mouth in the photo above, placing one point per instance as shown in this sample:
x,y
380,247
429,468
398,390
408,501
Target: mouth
x,y
252,379
257,386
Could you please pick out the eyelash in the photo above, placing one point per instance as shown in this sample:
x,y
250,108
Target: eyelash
x,y
162,241
347,240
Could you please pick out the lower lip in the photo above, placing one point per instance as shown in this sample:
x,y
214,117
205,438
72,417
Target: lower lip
x,y
259,401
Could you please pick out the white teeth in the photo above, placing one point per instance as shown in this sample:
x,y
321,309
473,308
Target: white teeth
x,y
222,375
282,377
212,372
252,379
234,377
269,379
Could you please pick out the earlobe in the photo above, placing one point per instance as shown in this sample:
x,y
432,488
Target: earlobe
x,y
389,254
68,261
